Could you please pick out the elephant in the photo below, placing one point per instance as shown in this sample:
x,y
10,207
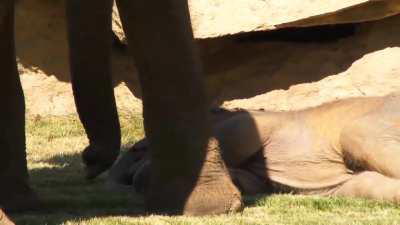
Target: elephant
x,y
341,148
176,121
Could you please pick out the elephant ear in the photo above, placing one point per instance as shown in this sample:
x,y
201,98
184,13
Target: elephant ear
x,y
122,173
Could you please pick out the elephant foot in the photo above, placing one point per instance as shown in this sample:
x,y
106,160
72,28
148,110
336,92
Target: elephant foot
x,y
97,160
19,201
212,193
4,220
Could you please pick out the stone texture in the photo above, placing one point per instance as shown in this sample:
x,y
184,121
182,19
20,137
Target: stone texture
x,y
215,18
365,64
212,18
43,61
375,74
276,72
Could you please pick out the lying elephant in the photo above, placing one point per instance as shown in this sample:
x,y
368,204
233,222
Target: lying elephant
x,y
343,148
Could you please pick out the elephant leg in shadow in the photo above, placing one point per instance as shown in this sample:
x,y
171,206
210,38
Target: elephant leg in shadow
x,y
15,192
175,106
89,36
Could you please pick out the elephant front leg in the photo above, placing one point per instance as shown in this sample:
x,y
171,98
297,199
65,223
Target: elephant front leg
x,y
89,29
187,173
15,192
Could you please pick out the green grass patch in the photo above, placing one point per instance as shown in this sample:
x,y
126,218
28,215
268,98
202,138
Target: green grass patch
x,y
54,145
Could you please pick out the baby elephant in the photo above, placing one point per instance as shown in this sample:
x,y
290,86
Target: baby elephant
x,y
344,148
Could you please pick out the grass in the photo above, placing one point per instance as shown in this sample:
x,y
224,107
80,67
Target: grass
x,y
54,145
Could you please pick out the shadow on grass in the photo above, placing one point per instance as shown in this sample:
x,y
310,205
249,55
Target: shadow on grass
x,y
67,197
59,181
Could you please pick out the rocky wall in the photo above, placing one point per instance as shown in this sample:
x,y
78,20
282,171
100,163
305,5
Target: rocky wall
x,y
264,72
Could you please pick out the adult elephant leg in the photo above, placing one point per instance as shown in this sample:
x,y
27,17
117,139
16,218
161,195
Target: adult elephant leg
x,y
185,177
15,192
89,28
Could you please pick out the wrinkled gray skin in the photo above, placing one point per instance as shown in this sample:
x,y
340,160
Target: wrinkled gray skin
x,y
343,148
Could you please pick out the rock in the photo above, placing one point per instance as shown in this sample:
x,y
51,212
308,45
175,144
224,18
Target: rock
x,y
46,95
236,67
213,18
366,77
43,61
365,64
